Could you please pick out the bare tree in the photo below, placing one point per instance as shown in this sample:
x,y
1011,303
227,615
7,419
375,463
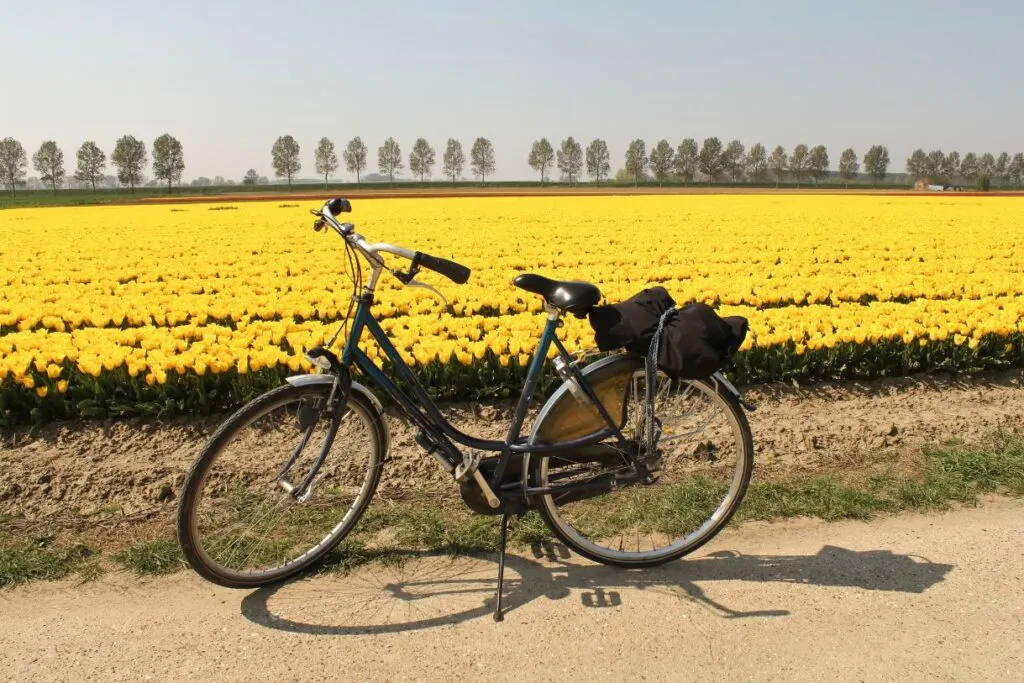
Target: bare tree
x,y
598,161
355,157
454,159
49,162
326,159
130,158
168,160
422,158
91,162
542,157
285,158
481,158
570,159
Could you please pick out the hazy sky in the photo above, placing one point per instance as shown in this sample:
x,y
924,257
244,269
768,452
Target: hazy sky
x,y
227,78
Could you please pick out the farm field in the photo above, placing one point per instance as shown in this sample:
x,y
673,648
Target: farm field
x,y
194,308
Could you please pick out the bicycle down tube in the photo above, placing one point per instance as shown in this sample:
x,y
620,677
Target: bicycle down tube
x,y
433,419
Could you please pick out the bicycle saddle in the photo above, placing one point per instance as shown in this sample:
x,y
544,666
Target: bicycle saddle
x,y
573,296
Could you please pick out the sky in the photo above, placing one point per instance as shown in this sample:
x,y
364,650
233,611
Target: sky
x,y
227,78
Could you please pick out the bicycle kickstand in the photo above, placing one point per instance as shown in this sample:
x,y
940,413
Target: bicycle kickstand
x,y
498,616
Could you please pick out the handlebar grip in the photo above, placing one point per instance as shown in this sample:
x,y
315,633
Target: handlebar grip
x,y
456,272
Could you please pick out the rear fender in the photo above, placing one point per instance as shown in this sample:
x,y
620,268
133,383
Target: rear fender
x,y
628,361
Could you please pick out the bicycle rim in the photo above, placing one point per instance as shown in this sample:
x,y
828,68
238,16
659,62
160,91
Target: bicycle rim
x,y
240,526
703,463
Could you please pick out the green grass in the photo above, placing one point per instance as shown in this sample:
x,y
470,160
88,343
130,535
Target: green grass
x,y
952,474
392,534
158,557
35,559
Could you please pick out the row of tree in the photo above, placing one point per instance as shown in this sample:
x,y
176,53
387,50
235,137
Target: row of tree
x,y
129,157
286,163
711,161
948,168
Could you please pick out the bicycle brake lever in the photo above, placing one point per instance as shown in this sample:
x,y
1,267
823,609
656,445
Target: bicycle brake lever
x,y
424,285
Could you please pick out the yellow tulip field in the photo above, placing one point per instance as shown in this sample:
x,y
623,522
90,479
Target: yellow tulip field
x,y
196,307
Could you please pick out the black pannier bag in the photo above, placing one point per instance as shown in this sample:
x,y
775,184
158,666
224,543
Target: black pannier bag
x,y
696,342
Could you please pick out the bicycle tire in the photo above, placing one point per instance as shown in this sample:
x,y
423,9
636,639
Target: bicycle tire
x,y
547,509
191,546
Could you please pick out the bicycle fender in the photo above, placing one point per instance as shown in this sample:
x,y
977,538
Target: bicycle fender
x,y
356,387
721,379
630,360
314,378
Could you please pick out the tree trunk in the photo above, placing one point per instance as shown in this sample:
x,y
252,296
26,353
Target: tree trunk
x,y
325,180
94,184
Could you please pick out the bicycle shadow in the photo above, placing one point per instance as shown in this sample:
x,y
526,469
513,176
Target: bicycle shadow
x,y
434,590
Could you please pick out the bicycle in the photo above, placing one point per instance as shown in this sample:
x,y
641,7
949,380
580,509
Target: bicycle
x,y
586,467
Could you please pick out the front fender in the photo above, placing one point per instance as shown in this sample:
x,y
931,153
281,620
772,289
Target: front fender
x,y
328,379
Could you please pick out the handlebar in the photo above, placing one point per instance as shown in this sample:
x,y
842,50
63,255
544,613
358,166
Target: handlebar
x,y
456,272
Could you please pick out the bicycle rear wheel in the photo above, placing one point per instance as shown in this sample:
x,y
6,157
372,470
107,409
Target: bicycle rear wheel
x,y
239,523
703,463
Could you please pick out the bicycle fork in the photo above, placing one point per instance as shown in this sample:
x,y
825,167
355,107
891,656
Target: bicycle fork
x,y
308,417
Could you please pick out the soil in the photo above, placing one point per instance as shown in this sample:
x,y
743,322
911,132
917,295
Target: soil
x,y
484,191
136,467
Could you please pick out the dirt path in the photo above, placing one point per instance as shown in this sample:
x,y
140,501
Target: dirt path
x,y
131,466
933,597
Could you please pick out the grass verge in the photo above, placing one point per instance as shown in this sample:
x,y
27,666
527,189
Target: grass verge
x,y
394,532
35,559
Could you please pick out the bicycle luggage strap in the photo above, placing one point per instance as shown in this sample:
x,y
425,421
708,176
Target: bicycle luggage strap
x,y
651,376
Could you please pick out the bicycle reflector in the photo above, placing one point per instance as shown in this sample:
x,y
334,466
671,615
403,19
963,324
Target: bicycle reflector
x,y
322,358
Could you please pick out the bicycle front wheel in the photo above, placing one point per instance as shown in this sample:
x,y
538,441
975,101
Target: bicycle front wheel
x,y
702,465
246,519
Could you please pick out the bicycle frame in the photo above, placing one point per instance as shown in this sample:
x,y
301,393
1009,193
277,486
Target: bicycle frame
x,y
435,424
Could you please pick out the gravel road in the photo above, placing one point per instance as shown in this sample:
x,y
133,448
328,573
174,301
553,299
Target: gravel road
x,y
927,597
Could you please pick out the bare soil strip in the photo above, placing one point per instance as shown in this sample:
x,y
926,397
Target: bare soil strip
x,y
458,192
136,466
